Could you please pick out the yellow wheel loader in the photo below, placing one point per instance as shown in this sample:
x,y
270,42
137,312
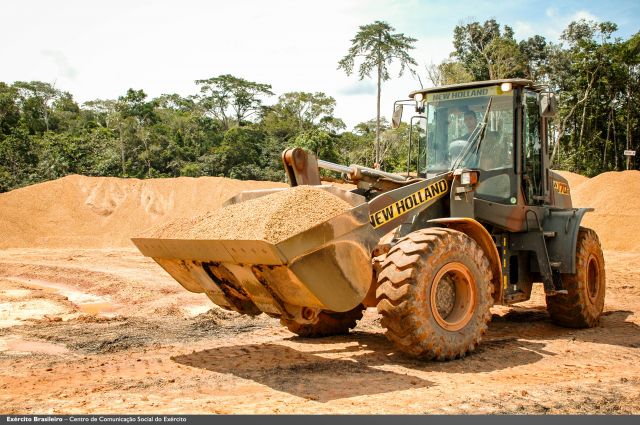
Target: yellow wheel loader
x,y
477,218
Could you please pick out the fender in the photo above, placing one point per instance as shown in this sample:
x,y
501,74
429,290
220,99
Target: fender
x,y
565,224
478,233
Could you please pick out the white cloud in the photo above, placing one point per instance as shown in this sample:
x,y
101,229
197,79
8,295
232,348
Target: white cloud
x,y
558,21
523,30
65,69
364,87
100,49
584,14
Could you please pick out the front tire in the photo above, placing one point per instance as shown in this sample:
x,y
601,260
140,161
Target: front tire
x,y
435,294
582,306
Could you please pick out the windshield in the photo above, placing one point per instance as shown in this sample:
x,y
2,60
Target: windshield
x,y
455,119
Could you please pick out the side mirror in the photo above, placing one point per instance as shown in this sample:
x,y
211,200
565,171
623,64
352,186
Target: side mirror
x,y
396,117
548,105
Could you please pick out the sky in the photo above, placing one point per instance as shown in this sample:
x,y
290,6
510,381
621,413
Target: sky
x,y
99,49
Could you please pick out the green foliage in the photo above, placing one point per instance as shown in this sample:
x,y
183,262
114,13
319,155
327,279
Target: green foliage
x,y
488,53
595,75
9,110
448,72
536,53
377,48
320,142
230,99
18,159
228,130
598,84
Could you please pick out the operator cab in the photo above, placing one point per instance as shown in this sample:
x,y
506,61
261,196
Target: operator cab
x,y
485,126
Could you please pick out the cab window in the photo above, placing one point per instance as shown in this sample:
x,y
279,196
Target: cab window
x,y
532,150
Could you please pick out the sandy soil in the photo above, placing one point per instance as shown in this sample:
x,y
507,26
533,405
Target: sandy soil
x,y
107,331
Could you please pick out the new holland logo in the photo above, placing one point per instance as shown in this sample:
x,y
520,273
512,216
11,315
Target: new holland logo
x,y
561,188
408,203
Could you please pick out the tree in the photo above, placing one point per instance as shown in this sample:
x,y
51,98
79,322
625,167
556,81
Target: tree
x,y
227,97
18,159
487,52
377,47
35,99
448,72
301,111
138,115
536,53
9,111
320,143
578,73
506,59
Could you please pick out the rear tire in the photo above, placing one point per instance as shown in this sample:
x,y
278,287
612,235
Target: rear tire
x,y
329,323
435,294
582,306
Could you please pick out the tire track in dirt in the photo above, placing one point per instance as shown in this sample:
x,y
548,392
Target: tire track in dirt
x,y
220,362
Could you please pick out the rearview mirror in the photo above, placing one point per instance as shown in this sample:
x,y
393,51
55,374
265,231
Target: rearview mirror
x,y
548,105
396,117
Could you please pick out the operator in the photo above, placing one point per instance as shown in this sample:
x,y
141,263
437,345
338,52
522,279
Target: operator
x,y
471,122
458,145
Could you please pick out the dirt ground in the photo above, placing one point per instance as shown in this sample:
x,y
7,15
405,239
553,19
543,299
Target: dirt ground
x,y
108,331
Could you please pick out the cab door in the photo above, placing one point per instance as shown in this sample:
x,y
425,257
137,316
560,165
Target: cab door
x,y
533,150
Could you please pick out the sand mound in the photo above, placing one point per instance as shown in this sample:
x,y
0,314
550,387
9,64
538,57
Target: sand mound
x,y
97,212
101,212
574,179
615,195
273,218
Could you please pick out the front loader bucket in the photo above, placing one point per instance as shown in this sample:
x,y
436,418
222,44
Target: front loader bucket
x,y
327,267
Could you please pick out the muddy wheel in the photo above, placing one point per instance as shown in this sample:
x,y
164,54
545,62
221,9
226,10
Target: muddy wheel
x,y
582,306
329,323
435,294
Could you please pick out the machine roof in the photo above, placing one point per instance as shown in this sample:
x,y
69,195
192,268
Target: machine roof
x,y
520,82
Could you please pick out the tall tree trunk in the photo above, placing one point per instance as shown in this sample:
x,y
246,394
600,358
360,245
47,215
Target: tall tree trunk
x,y
615,144
378,159
121,149
628,120
145,141
563,123
46,117
606,141
584,113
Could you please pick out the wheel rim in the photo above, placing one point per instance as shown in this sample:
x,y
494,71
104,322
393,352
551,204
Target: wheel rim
x,y
453,296
593,278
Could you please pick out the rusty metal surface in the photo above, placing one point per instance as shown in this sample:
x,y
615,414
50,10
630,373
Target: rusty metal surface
x,y
301,167
560,191
210,250
325,267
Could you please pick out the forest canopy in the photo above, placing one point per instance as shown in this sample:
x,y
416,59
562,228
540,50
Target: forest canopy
x,y
237,128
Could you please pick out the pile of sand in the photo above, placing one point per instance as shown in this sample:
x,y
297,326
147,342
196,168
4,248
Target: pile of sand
x,y
273,218
574,179
616,198
100,212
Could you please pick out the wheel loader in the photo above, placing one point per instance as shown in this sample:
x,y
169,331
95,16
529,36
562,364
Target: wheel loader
x,y
475,220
